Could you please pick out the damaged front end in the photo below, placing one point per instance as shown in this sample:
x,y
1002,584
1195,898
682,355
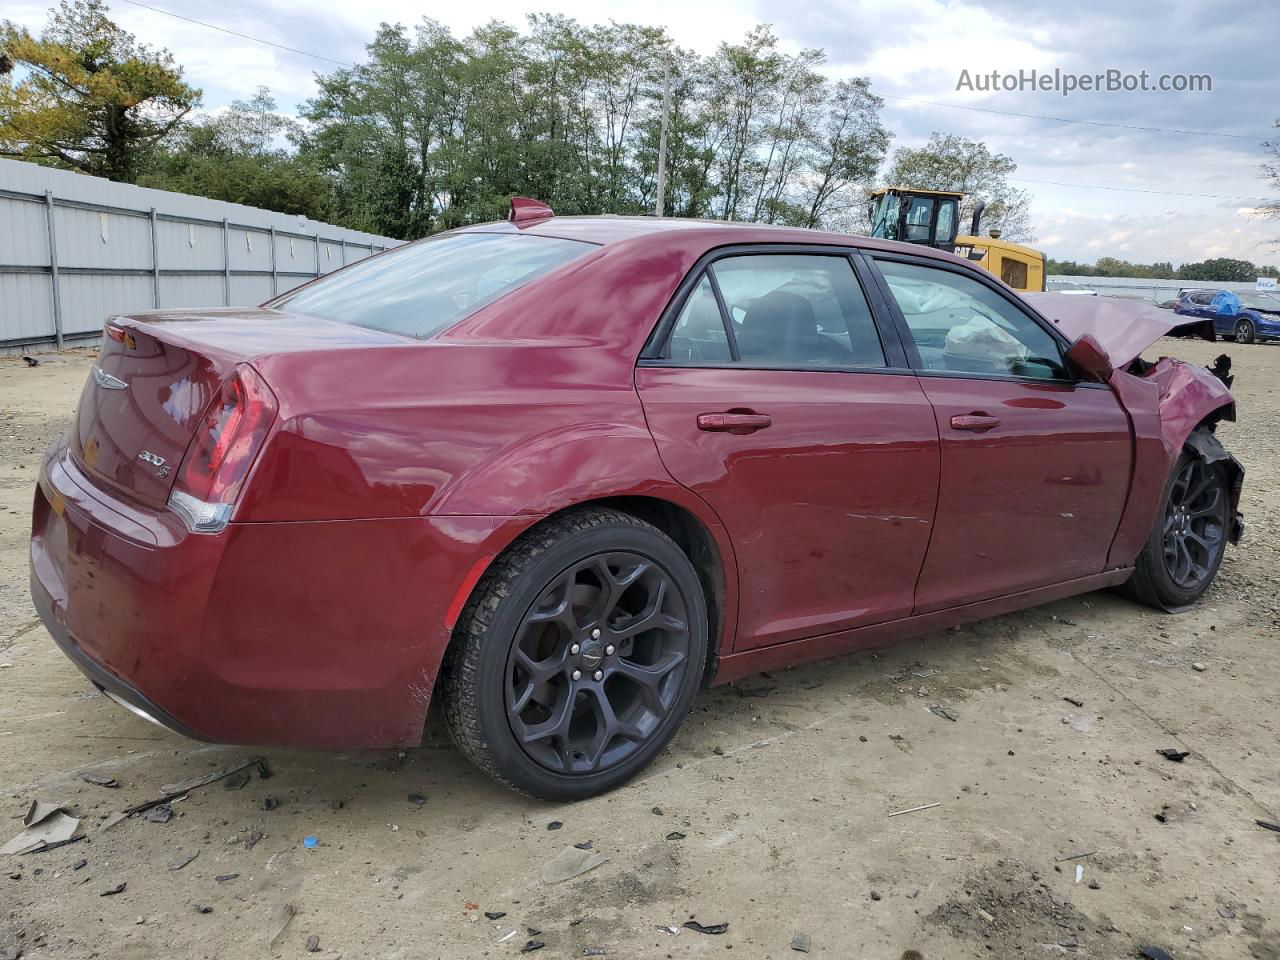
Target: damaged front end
x,y
1173,405
1192,401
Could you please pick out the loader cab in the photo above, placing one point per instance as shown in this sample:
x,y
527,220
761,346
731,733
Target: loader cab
x,y
929,217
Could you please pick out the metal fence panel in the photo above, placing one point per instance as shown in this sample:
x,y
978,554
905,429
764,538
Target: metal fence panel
x,y
189,246
184,291
250,289
97,239
87,300
23,237
26,303
75,249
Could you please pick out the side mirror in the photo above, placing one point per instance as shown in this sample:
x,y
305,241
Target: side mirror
x,y
1087,356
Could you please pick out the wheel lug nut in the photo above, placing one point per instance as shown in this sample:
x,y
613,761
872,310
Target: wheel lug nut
x,y
598,675
574,649
576,675
608,651
595,634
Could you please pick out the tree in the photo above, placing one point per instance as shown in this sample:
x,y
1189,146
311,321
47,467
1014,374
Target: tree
x,y
241,155
433,131
949,162
1222,269
848,148
86,95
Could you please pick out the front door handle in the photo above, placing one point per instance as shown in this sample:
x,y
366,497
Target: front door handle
x,y
977,422
733,422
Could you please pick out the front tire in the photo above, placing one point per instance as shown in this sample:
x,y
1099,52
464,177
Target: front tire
x,y
578,655
1187,540
1245,332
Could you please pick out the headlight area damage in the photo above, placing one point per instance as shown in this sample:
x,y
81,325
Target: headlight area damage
x,y
1172,403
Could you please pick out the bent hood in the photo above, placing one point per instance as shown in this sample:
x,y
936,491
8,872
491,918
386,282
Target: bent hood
x,y
1124,327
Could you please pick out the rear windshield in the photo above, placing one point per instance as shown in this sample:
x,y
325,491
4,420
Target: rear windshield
x,y
419,289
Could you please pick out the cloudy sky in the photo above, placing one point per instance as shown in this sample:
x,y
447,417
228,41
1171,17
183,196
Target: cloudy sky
x,y
913,50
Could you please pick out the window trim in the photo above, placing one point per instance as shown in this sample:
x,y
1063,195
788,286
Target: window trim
x,y
726,322
913,354
660,336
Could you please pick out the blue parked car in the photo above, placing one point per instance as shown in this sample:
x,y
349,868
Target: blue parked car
x,y
1249,317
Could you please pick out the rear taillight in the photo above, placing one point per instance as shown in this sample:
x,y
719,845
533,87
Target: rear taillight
x,y
226,443
119,335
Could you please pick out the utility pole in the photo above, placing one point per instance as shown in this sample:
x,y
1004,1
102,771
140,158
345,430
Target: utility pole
x,y
662,140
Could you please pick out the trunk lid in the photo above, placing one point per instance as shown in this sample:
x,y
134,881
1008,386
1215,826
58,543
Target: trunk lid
x,y
158,372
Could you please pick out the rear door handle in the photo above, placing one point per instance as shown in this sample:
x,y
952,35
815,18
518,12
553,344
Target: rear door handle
x,y
977,422
733,422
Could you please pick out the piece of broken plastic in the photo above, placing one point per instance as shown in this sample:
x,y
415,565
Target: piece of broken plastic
x,y
45,825
569,863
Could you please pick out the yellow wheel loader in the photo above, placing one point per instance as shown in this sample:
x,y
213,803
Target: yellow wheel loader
x,y
932,217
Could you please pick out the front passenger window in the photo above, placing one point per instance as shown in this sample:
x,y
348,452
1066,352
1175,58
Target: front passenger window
x,y
961,325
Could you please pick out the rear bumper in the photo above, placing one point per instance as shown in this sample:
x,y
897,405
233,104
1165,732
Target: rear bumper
x,y
106,681
324,634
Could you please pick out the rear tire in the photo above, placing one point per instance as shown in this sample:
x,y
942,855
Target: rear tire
x,y
577,656
1245,332
1188,538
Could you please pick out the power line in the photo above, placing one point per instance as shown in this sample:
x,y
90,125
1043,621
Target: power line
x,y
242,36
1094,123
1171,193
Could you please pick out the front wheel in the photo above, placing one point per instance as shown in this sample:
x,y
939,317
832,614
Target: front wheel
x,y
1244,332
1188,539
578,656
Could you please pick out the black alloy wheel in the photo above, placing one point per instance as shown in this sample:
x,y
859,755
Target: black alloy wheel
x,y
1188,538
597,663
1194,531
577,656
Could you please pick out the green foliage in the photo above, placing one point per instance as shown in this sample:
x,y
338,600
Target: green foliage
x,y
240,156
432,131
1111,267
1221,269
949,162
86,95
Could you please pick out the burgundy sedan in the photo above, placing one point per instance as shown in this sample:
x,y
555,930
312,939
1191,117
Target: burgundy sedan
x,y
561,472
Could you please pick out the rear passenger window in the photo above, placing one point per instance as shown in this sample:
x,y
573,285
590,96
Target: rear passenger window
x,y
796,311
698,336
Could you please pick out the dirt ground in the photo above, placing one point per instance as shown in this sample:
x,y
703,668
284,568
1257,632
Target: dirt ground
x,y
770,811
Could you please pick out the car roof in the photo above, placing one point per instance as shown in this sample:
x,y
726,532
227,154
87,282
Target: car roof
x,y
608,230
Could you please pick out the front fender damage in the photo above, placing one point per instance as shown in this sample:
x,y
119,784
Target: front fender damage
x,y
1209,448
1193,401
1172,406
